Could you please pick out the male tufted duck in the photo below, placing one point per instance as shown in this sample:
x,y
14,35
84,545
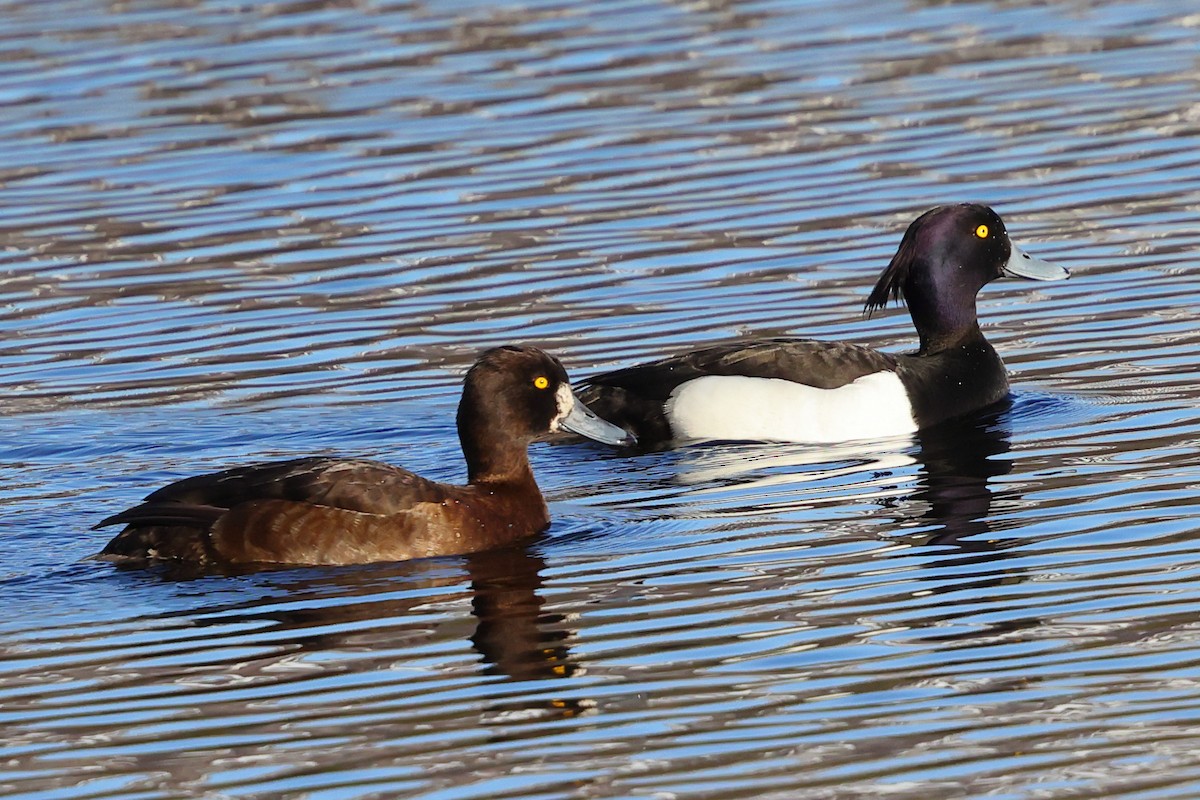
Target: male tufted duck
x,y
809,391
336,511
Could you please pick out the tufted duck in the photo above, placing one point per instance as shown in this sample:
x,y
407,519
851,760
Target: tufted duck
x,y
336,511
809,391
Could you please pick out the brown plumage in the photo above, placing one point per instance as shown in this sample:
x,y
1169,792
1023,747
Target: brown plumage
x,y
345,511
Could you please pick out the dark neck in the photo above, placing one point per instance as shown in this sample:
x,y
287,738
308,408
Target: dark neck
x,y
493,454
938,340
944,316
496,449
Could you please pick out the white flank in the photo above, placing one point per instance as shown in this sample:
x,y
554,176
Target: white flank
x,y
733,407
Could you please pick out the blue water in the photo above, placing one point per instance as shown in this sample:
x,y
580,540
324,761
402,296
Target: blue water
x,y
234,232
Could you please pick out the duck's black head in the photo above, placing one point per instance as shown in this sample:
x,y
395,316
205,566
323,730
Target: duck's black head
x,y
512,395
946,256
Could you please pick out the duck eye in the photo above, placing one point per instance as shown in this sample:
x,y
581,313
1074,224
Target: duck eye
x,y
541,382
982,231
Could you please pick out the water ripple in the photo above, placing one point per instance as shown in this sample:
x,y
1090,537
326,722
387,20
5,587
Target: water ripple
x,y
253,231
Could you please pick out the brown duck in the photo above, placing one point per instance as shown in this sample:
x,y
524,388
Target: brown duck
x,y
347,511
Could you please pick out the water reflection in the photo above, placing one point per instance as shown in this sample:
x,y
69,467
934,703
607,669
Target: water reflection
x,y
323,209
513,636
333,610
939,487
357,658
946,470
960,459
516,639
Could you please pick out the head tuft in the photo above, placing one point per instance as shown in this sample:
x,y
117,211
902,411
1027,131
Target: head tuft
x,y
890,285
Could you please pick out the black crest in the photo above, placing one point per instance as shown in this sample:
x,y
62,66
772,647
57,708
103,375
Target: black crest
x,y
890,285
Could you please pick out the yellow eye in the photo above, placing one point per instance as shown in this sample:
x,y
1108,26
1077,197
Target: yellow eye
x,y
541,381
982,231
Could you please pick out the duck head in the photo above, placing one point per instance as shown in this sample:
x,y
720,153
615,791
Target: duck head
x,y
946,256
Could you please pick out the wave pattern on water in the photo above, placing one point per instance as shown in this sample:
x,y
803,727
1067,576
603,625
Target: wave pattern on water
x,y
235,231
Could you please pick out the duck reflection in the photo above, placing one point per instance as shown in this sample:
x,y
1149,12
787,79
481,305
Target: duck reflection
x,y
955,496
515,638
512,634
940,484
936,493
959,460
358,610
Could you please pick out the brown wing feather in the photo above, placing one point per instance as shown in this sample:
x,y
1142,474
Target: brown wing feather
x,y
348,519
166,513
353,484
177,521
283,531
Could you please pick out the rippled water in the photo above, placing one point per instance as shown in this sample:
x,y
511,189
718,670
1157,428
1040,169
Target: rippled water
x,y
235,231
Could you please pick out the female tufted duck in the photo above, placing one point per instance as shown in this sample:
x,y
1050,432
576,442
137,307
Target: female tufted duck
x,y
337,511
808,391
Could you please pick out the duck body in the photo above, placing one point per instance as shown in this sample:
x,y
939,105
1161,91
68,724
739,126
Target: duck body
x,y
812,391
324,510
798,390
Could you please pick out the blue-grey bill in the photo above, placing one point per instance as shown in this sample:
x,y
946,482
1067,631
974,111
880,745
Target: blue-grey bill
x,y
1022,265
583,420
